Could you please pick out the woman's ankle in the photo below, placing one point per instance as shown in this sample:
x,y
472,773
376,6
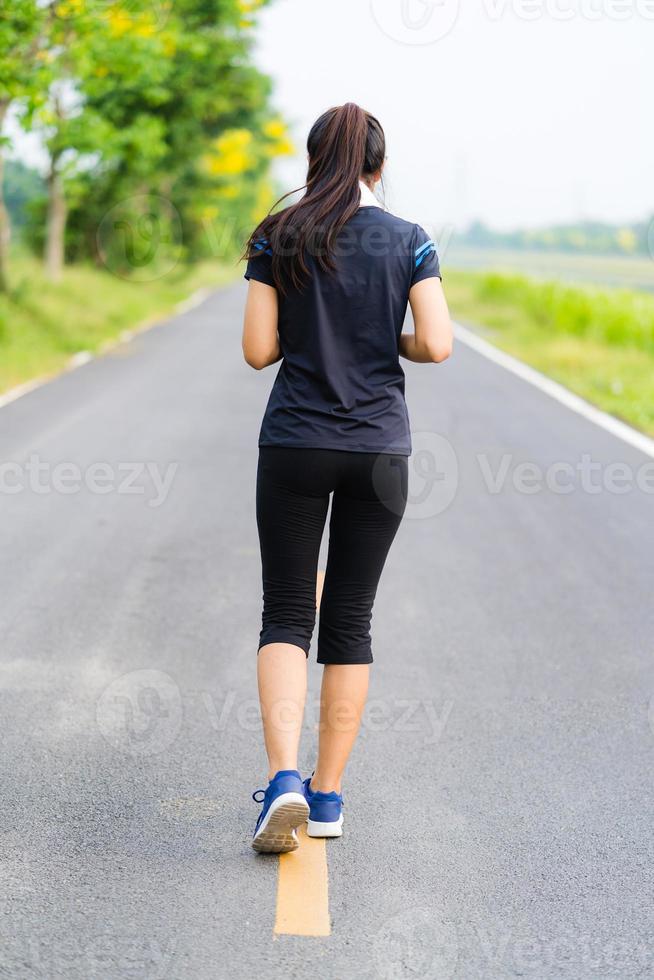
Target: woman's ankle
x,y
324,784
282,767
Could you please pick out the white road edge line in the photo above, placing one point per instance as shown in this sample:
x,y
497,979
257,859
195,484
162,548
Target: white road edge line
x,y
556,391
552,388
83,357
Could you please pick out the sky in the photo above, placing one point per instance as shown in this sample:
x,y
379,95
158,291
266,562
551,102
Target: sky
x,y
517,112
520,113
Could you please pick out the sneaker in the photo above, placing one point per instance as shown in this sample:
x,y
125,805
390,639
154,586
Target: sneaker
x,y
325,812
284,809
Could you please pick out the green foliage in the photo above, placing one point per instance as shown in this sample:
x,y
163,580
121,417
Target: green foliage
x,y
22,185
588,237
614,317
23,51
132,100
600,343
37,333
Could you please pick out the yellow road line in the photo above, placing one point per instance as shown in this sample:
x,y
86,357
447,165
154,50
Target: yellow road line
x,y
302,890
302,883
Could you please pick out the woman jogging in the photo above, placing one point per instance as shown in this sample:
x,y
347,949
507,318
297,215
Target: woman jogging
x,y
329,281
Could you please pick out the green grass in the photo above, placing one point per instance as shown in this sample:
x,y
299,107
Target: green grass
x,y
605,271
599,343
43,324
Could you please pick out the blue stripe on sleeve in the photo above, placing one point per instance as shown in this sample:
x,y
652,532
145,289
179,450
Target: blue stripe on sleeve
x,y
423,247
424,255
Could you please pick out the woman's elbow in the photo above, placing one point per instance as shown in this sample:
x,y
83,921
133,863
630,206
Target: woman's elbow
x,y
255,361
256,356
441,352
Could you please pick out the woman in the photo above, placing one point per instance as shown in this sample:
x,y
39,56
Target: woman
x,y
329,281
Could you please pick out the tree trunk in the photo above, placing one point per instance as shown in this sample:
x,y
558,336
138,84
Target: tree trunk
x,y
56,224
5,228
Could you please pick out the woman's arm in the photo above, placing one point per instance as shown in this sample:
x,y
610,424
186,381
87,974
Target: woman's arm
x,y
431,341
260,337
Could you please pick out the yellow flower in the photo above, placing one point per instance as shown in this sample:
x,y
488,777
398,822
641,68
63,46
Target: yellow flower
x,y
69,8
231,154
143,28
120,23
275,130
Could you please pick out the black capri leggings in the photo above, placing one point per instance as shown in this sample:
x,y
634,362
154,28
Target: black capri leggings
x,y
293,488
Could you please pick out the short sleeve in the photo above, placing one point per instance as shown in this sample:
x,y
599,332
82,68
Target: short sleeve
x,y
425,258
259,265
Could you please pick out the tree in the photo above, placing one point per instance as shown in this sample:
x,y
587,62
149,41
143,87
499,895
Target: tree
x,y
60,119
141,102
191,83
23,60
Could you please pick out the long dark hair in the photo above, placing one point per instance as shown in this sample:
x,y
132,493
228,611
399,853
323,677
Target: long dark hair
x,y
345,144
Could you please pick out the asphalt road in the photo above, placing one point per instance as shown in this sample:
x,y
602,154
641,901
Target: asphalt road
x,y
499,802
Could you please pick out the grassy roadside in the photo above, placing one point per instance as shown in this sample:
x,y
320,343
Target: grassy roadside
x,y
43,324
599,343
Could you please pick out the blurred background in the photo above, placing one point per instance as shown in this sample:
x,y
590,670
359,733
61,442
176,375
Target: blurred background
x,y
142,141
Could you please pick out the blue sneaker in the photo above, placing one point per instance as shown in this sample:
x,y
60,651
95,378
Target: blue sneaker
x,y
284,809
325,812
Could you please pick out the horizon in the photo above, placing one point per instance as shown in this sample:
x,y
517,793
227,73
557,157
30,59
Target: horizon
x,y
580,150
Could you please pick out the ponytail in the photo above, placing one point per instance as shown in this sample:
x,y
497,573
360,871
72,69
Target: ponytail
x,y
344,144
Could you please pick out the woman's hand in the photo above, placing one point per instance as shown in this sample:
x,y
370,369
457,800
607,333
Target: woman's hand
x,y
431,341
260,337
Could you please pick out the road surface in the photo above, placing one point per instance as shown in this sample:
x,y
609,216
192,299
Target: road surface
x,y
499,804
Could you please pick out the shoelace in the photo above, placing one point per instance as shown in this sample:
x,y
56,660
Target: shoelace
x,y
254,795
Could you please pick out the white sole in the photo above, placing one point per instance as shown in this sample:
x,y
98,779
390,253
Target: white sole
x,y
316,828
276,835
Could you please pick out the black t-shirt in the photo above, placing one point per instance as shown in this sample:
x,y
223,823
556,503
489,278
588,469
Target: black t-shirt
x,y
340,384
